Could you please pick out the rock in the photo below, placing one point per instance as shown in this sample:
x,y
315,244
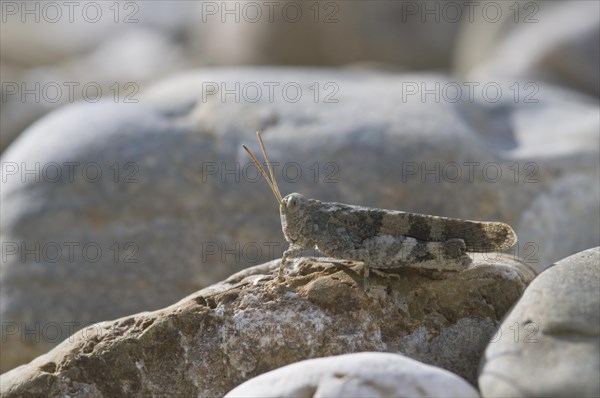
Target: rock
x,y
16,113
537,40
574,202
65,52
549,343
44,34
221,336
117,71
98,257
366,374
177,196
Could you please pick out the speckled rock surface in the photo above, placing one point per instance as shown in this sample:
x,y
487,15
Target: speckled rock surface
x,y
366,374
221,336
549,344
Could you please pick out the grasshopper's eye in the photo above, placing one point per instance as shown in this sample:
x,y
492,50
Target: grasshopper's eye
x,y
293,203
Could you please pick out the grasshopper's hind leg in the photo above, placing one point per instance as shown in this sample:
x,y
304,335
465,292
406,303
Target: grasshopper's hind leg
x,y
388,251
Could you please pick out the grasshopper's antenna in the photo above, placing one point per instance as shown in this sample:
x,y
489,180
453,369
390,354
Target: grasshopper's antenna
x,y
275,192
269,165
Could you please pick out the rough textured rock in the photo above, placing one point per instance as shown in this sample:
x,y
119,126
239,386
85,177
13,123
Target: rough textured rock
x,y
549,344
366,374
536,40
188,225
223,335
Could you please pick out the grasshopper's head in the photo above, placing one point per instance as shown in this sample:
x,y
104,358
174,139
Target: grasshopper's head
x,y
293,210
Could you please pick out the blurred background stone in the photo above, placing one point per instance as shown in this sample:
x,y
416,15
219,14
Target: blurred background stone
x,y
573,201
476,40
554,41
45,34
118,71
331,33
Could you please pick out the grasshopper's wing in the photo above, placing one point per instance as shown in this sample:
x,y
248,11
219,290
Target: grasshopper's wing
x,y
478,236
361,223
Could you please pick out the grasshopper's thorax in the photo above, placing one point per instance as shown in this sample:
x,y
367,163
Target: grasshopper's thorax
x,y
294,213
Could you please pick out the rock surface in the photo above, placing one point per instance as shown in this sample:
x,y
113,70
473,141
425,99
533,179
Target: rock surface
x,y
366,374
171,212
549,344
223,335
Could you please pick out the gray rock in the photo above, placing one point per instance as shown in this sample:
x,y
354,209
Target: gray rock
x,y
573,200
366,374
84,231
168,199
117,71
19,111
549,344
221,336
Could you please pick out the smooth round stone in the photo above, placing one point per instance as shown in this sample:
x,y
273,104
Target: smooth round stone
x,y
549,344
366,374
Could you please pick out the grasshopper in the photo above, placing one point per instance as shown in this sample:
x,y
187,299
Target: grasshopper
x,y
380,238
